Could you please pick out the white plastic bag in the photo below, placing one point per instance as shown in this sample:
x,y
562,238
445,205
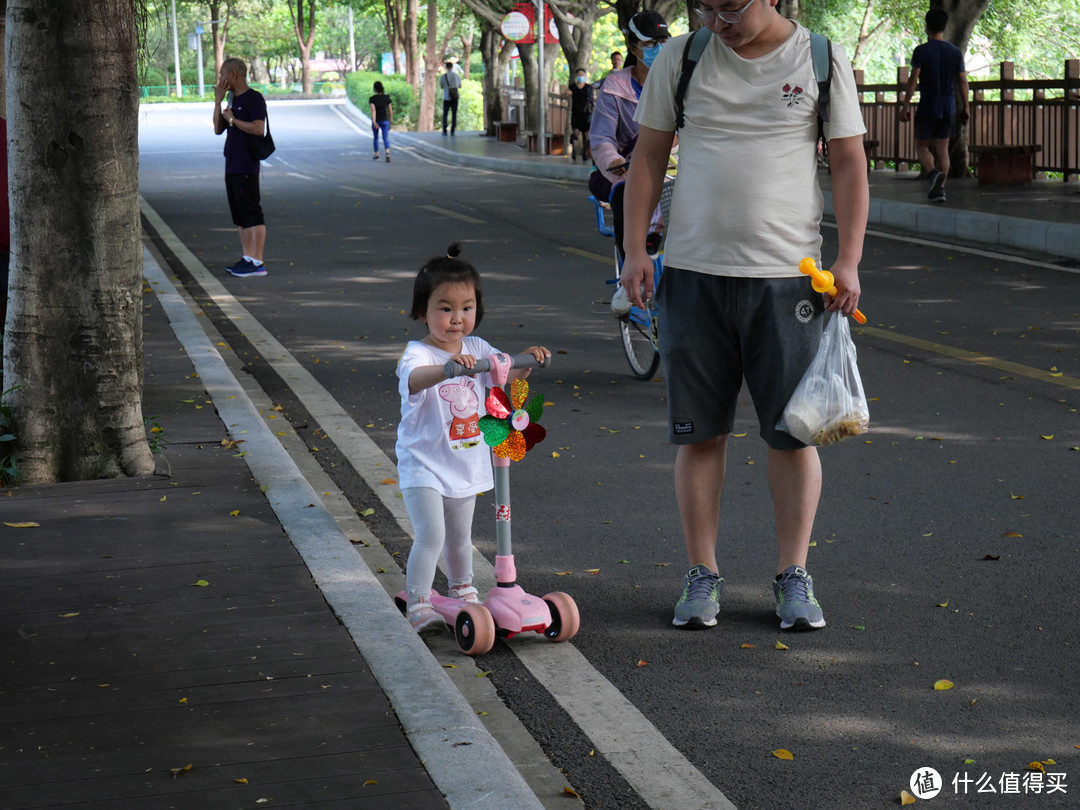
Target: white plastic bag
x,y
829,403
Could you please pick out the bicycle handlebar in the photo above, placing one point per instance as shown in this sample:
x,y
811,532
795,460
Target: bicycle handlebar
x,y
523,360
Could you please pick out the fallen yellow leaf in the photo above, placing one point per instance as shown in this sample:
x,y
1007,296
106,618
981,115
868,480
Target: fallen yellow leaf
x,y
367,512
234,513
27,525
906,798
642,663
563,573
943,604
388,481
943,684
554,454
782,646
1012,534
370,782
1047,436
1036,766
241,781
69,615
571,792
783,753
592,570
747,646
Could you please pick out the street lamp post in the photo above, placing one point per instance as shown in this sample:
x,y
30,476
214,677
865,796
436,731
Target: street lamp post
x,y
176,52
541,141
198,50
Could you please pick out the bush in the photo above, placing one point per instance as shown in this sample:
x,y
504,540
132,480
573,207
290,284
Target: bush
x,y
359,87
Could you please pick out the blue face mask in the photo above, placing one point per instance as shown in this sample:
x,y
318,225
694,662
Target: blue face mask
x,y
648,55
579,79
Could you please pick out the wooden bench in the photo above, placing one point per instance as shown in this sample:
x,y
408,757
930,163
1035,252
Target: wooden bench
x,y
506,131
1005,165
554,141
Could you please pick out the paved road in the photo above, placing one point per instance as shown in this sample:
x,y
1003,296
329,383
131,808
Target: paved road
x,y
973,366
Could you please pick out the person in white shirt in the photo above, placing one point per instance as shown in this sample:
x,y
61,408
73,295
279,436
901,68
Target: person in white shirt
x,y
450,82
442,459
732,303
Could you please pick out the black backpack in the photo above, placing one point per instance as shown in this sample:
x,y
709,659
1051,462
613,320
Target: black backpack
x,y
820,53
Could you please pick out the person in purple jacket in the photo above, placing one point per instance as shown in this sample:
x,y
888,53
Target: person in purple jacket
x,y
244,115
614,131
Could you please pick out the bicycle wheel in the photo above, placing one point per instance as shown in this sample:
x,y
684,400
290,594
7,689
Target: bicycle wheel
x,y
639,338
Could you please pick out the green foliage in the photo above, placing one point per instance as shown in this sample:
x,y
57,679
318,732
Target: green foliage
x,y
360,86
155,434
9,464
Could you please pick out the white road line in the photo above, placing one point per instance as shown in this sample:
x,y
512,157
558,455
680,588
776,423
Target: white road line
x,y
441,726
657,770
363,191
446,212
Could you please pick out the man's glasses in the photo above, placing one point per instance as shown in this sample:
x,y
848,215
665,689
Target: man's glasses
x,y
732,17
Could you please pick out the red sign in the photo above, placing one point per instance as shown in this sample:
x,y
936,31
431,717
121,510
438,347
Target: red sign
x,y
529,11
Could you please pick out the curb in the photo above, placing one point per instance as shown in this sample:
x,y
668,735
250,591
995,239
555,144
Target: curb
x,y
529,168
441,726
1019,233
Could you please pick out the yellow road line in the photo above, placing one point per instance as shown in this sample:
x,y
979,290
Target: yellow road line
x,y
1054,378
446,212
596,257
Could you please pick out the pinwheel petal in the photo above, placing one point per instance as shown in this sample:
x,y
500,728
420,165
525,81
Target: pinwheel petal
x,y
533,435
519,390
495,430
497,403
535,408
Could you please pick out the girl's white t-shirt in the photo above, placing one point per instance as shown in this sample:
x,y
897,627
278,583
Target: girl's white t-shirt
x,y
746,200
439,443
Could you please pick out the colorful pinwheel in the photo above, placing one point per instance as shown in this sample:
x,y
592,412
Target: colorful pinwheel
x,y
511,426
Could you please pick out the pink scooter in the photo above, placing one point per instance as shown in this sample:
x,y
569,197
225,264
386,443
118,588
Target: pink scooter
x,y
510,428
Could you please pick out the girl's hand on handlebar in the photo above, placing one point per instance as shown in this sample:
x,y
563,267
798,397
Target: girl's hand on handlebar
x,y
539,352
466,360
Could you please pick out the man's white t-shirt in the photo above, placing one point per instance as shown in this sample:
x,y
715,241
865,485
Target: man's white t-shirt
x,y
439,442
746,200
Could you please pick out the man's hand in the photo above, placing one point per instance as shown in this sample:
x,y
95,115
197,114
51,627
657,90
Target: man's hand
x,y
637,276
220,89
848,290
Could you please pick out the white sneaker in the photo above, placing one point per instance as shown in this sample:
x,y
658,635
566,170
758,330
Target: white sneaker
x,y
466,593
424,620
620,302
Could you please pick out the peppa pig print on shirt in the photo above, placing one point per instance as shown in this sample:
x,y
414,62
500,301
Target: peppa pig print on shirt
x,y
464,411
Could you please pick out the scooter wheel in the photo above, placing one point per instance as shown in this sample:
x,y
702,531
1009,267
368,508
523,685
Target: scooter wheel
x,y
565,619
401,604
474,630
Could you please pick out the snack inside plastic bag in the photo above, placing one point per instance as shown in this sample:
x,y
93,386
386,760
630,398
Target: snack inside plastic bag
x,y
829,404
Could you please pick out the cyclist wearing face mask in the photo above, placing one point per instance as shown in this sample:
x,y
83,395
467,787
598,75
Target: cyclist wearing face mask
x,y
614,131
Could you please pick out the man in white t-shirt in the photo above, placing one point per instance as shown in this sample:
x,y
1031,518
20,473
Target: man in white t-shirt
x,y
732,304
450,82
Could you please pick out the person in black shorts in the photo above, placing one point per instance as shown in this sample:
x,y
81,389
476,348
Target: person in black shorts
x,y
580,114
382,115
244,115
937,66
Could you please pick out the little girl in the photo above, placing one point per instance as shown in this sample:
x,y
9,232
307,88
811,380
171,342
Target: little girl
x,y
442,459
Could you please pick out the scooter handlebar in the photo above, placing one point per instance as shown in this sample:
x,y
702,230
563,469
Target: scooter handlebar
x,y
523,360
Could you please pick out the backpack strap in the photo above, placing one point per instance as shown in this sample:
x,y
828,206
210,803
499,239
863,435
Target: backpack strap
x,y
821,55
695,47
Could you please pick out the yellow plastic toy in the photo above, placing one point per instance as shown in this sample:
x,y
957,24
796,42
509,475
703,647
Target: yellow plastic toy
x,y
823,282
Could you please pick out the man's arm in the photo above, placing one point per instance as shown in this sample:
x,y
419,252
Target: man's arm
x,y
962,108
250,127
645,181
220,123
851,204
909,88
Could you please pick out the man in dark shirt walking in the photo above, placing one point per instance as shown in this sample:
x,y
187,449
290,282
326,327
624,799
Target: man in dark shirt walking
x,y
936,65
244,115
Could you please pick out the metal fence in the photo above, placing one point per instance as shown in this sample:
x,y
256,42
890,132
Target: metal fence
x,y
1004,112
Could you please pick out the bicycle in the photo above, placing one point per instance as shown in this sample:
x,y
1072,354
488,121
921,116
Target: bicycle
x,y
638,328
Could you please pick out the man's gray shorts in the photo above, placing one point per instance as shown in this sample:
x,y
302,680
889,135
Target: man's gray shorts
x,y
716,331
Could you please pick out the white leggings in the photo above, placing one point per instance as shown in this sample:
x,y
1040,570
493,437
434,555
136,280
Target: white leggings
x,y
437,521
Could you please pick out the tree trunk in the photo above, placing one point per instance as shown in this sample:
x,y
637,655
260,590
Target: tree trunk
x,y
426,118
219,30
395,31
304,40
496,54
73,344
963,16
412,43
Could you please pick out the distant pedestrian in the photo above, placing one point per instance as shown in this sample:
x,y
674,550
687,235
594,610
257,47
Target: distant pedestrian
x,y
450,82
937,66
382,115
244,115
443,461
616,61
581,106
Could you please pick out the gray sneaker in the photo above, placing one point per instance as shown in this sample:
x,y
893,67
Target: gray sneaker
x,y
700,600
795,602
